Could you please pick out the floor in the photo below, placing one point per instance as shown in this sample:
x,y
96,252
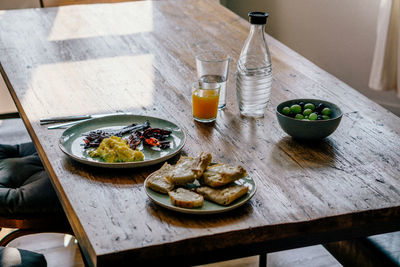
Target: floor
x,y
62,251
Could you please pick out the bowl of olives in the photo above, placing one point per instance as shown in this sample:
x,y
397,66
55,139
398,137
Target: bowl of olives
x,y
308,119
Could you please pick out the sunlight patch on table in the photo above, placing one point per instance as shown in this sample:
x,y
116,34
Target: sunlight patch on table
x,y
92,86
74,22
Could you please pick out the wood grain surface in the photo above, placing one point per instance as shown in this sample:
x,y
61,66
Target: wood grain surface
x,y
52,3
139,57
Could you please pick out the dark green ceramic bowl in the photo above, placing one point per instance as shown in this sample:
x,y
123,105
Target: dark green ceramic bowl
x,y
308,130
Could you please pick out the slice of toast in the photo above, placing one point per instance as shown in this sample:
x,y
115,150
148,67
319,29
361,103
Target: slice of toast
x,y
157,180
182,172
223,196
184,198
222,174
187,169
201,163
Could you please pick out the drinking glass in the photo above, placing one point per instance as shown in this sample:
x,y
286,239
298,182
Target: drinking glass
x,y
213,68
205,101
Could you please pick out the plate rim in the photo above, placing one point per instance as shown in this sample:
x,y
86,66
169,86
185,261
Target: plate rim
x,y
132,164
196,211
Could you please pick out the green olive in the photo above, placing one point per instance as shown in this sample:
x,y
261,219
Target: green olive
x,y
299,116
326,111
286,111
313,116
295,109
307,112
325,117
309,106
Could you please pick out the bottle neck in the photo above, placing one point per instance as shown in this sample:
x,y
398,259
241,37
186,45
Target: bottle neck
x,y
255,53
257,29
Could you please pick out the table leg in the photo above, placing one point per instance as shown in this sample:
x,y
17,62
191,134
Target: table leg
x,y
262,261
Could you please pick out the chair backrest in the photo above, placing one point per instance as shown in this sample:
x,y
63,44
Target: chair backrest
x,y
52,3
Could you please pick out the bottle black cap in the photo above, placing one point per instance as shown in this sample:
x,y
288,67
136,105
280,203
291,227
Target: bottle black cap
x,y
258,17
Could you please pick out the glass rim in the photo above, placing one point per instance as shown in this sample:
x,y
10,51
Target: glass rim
x,y
198,85
219,56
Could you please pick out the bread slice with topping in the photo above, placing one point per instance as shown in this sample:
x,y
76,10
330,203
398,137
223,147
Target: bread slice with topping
x,y
187,169
182,172
158,182
223,196
201,163
222,174
184,198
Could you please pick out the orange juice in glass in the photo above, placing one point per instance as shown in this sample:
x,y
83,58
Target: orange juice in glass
x,y
205,101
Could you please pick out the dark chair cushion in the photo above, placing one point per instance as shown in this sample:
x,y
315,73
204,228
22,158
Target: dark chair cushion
x,y
377,250
25,188
13,257
388,244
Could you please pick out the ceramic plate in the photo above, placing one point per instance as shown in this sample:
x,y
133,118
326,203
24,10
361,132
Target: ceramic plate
x,y
71,141
208,206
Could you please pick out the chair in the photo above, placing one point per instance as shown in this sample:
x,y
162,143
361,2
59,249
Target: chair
x,y
28,202
13,257
11,115
378,250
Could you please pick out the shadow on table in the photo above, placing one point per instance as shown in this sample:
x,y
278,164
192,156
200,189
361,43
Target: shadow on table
x,y
295,154
195,221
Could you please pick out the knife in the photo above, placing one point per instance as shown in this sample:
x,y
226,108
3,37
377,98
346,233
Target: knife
x,y
63,119
74,118
65,125
75,121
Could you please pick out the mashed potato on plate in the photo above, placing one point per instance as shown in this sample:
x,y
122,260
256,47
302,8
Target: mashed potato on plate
x,y
116,149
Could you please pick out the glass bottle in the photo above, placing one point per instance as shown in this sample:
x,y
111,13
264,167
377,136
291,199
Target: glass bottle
x,y
254,71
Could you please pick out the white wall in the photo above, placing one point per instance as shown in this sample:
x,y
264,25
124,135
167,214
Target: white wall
x,y
337,35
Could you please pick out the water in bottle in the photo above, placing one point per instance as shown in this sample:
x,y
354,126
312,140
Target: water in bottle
x,y
254,70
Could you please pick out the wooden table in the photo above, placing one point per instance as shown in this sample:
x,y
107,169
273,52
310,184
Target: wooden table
x,y
139,57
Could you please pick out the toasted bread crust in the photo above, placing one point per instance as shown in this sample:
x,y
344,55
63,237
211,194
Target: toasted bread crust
x,y
158,182
222,174
201,163
182,172
185,198
187,169
223,196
